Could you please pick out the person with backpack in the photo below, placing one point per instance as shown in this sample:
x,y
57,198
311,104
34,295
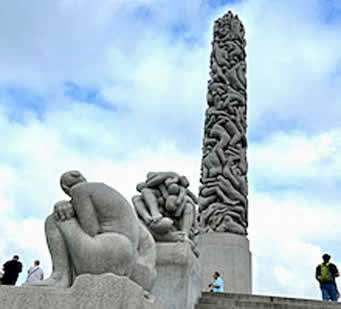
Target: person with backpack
x,y
325,274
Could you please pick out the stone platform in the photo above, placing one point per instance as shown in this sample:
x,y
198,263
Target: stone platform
x,y
228,254
106,291
248,301
178,276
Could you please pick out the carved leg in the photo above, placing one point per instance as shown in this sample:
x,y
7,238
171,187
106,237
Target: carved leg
x,y
62,270
207,197
152,203
141,210
229,190
186,221
104,253
224,198
186,225
236,138
210,194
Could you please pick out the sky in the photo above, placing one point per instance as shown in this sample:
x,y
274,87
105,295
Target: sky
x,y
117,88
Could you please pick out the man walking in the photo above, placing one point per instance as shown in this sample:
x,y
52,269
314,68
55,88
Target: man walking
x,y
11,270
35,273
325,274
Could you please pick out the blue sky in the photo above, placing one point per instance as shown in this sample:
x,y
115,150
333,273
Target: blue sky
x,y
117,88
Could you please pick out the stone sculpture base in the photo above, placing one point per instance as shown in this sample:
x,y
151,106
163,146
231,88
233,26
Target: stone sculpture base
x,y
178,280
106,291
248,301
228,254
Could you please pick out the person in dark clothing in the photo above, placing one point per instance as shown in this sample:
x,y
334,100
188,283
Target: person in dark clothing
x,y
325,274
11,270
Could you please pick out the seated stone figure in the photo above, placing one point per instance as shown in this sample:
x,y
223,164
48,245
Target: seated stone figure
x,y
167,207
97,232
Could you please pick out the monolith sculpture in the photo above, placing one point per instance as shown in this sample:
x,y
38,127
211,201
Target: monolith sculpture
x,y
223,203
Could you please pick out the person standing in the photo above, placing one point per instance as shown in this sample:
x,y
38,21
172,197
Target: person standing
x,y
35,273
325,274
218,283
11,270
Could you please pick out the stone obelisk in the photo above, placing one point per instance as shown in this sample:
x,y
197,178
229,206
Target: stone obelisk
x,y
223,202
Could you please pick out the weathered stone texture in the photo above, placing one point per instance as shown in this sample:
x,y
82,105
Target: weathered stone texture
x,y
228,254
178,276
106,291
95,232
248,301
223,203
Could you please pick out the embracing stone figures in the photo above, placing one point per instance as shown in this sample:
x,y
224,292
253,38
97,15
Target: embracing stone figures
x,y
168,208
97,231
223,203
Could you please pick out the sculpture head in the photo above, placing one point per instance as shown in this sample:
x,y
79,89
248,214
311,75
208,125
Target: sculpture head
x,y
171,205
184,181
173,189
70,179
140,186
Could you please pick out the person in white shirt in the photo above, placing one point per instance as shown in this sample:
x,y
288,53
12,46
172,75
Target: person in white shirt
x,y
35,273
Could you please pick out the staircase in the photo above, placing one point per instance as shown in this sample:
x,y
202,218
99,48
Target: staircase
x,y
249,301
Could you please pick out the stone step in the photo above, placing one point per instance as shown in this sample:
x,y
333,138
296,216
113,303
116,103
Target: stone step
x,y
249,301
222,297
262,305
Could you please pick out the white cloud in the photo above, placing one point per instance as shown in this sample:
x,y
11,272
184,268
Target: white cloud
x,y
294,209
286,157
287,241
153,70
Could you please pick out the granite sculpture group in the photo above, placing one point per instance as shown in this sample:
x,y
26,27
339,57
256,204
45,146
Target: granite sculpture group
x,y
97,232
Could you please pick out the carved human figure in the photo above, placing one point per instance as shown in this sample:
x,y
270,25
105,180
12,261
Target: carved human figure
x,y
147,207
180,206
169,193
219,217
97,232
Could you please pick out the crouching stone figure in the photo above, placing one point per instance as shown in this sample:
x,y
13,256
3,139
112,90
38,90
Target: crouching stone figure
x,y
168,208
97,232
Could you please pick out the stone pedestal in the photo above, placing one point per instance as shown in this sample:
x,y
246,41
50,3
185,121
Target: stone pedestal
x,y
228,254
106,291
178,276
